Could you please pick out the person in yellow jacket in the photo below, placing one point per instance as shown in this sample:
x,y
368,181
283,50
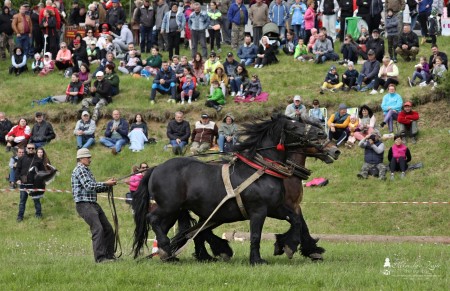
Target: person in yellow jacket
x,y
337,123
219,76
210,66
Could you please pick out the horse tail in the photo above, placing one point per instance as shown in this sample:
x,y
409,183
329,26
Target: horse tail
x,y
140,204
185,225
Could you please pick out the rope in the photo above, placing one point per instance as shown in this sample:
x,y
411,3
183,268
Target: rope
x,y
112,206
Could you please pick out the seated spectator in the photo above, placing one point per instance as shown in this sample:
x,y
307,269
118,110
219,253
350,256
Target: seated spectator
x,y
93,53
187,89
228,132
153,63
399,156
198,66
289,46
407,122
85,78
75,89
101,95
105,43
351,129
350,77
12,168
42,132
373,156
90,38
63,58
391,106
164,83
78,39
18,62
337,123
238,80
138,133
85,131
37,64
5,127
437,74
219,76
18,136
210,66
253,88
301,52
312,39
369,73
408,44
349,50
230,64
422,71
296,108
109,60
183,64
178,132
112,78
324,31
316,112
195,94
116,134
120,41
375,43
247,51
437,53
217,99
49,65
323,50
331,81
204,135
387,75
366,122
266,53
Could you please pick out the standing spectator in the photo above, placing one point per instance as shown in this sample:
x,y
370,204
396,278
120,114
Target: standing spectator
x,y
370,11
369,72
121,41
373,156
214,26
238,16
347,9
204,135
198,23
165,83
337,123
297,10
12,168
42,132
399,156
84,190
228,132
259,16
37,42
6,33
350,77
323,50
138,134
115,14
172,25
49,6
413,12
101,95
18,135
5,127
18,62
85,131
407,121
224,6
391,106
92,17
296,109
116,134
397,7
329,9
387,75
8,4
279,14
161,9
247,51
23,28
393,31
432,27
178,132
408,44
145,17
436,53
48,28
77,14
425,7
25,178
310,16
187,11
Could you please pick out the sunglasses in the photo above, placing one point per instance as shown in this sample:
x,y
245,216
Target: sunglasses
x,y
144,168
30,148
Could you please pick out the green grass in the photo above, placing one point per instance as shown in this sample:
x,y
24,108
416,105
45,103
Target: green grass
x,y
56,253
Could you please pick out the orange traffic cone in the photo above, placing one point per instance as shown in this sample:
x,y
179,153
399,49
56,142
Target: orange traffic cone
x,y
155,247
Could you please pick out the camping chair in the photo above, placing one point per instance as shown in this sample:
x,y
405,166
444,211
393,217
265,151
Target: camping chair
x,y
325,116
353,110
353,26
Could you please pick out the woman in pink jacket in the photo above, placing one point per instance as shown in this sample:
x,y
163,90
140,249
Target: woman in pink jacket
x,y
399,156
133,181
309,18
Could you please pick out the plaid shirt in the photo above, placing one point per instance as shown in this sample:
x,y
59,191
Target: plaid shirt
x,y
84,186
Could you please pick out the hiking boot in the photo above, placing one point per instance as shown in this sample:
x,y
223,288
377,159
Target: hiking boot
x,y
361,176
219,108
113,151
382,124
410,82
321,91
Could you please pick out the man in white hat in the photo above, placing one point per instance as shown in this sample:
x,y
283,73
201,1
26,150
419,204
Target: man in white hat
x,y
84,191
85,131
101,92
295,109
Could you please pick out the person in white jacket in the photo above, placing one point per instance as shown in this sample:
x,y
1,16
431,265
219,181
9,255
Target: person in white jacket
x,y
121,41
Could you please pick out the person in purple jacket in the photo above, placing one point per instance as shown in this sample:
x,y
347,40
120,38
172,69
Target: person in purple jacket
x,y
422,72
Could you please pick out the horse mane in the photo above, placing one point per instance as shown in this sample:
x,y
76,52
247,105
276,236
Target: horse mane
x,y
256,131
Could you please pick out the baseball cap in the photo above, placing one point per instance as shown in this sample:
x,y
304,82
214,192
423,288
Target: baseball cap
x,y
93,42
204,115
76,41
371,52
407,103
297,98
38,114
212,54
375,31
99,74
85,113
230,54
342,106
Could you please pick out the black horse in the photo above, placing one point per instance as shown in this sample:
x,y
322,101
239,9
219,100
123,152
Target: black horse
x,y
186,184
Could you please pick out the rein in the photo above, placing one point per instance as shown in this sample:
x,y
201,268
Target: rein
x,y
112,206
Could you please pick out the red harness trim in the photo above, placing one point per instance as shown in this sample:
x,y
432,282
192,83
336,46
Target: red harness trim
x,y
259,167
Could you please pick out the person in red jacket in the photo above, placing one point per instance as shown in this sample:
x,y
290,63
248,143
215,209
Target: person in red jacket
x,y
18,135
407,121
48,6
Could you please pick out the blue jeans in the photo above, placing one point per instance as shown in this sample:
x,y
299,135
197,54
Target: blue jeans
x,y
247,62
221,141
413,21
146,38
236,85
23,202
174,144
40,144
389,118
282,31
12,175
297,30
118,143
84,141
422,75
163,89
24,42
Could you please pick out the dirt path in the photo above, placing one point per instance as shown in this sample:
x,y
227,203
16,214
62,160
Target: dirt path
x,y
243,236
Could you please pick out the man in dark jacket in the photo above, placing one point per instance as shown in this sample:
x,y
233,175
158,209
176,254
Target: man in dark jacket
x,y
25,171
373,156
164,82
178,132
368,73
42,132
101,92
78,14
375,43
230,65
6,33
114,15
79,55
437,53
145,16
116,134
346,11
5,127
408,44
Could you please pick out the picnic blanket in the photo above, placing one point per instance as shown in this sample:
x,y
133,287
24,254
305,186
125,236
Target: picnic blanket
x,y
263,97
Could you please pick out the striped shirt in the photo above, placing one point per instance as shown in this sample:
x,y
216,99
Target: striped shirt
x,y
84,186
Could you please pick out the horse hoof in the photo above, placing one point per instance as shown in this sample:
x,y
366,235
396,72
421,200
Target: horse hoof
x,y
259,262
278,250
163,255
289,253
316,257
225,257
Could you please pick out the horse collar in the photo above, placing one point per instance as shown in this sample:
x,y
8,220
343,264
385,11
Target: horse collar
x,y
275,173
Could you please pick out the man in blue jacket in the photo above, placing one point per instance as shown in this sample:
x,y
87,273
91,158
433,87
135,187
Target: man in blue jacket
x,y
278,14
238,16
116,135
164,83
198,23
247,52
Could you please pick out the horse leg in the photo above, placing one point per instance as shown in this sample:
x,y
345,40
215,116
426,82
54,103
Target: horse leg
x,y
257,219
161,227
308,245
288,242
220,247
201,253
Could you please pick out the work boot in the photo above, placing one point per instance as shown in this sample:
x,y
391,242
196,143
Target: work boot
x,y
361,176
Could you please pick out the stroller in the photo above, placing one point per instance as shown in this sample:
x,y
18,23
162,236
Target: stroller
x,y
271,30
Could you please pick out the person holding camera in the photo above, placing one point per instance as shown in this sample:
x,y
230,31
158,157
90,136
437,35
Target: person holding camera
x,y
373,157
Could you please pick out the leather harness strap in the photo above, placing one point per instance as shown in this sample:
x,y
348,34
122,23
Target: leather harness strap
x,y
237,191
